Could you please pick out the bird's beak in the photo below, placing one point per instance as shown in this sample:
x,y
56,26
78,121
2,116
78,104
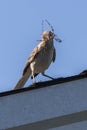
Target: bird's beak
x,y
57,39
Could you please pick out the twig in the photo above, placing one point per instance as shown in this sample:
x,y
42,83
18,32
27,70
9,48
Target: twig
x,y
50,25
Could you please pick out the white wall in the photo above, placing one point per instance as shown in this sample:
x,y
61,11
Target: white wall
x,y
41,104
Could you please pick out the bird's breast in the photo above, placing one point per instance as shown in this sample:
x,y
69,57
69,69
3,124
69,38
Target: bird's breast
x,y
43,60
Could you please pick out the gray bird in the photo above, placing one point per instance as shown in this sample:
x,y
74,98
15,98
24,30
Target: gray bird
x,y
40,59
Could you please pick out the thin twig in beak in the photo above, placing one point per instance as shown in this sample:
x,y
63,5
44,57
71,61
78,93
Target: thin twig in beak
x,y
57,39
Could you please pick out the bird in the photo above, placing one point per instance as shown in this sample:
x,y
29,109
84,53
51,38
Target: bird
x,y
40,59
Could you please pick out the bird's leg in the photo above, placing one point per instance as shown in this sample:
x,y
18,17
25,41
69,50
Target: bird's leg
x,y
34,80
47,75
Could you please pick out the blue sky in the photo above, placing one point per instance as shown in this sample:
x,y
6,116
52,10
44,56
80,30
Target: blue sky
x,y
20,27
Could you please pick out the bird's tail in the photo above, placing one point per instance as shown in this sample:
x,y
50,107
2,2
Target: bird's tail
x,y
23,79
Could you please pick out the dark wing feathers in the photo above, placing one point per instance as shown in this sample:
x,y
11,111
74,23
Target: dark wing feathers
x,y
54,55
33,55
26,67
30,59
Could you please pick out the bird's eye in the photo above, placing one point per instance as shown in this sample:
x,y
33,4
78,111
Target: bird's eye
x,y
50,33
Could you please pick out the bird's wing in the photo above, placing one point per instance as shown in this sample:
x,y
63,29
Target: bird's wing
x,y
54,55
34,54
26,68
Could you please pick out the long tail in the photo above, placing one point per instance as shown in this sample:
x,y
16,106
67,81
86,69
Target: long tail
x,y
23,79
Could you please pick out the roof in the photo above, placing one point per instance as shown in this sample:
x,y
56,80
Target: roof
x,y
49,83
50,104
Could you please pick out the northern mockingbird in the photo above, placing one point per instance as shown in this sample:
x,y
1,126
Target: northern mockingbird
x,y
40,59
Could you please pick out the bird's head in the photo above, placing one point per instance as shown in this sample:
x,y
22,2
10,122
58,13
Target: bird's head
x,y
47,35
